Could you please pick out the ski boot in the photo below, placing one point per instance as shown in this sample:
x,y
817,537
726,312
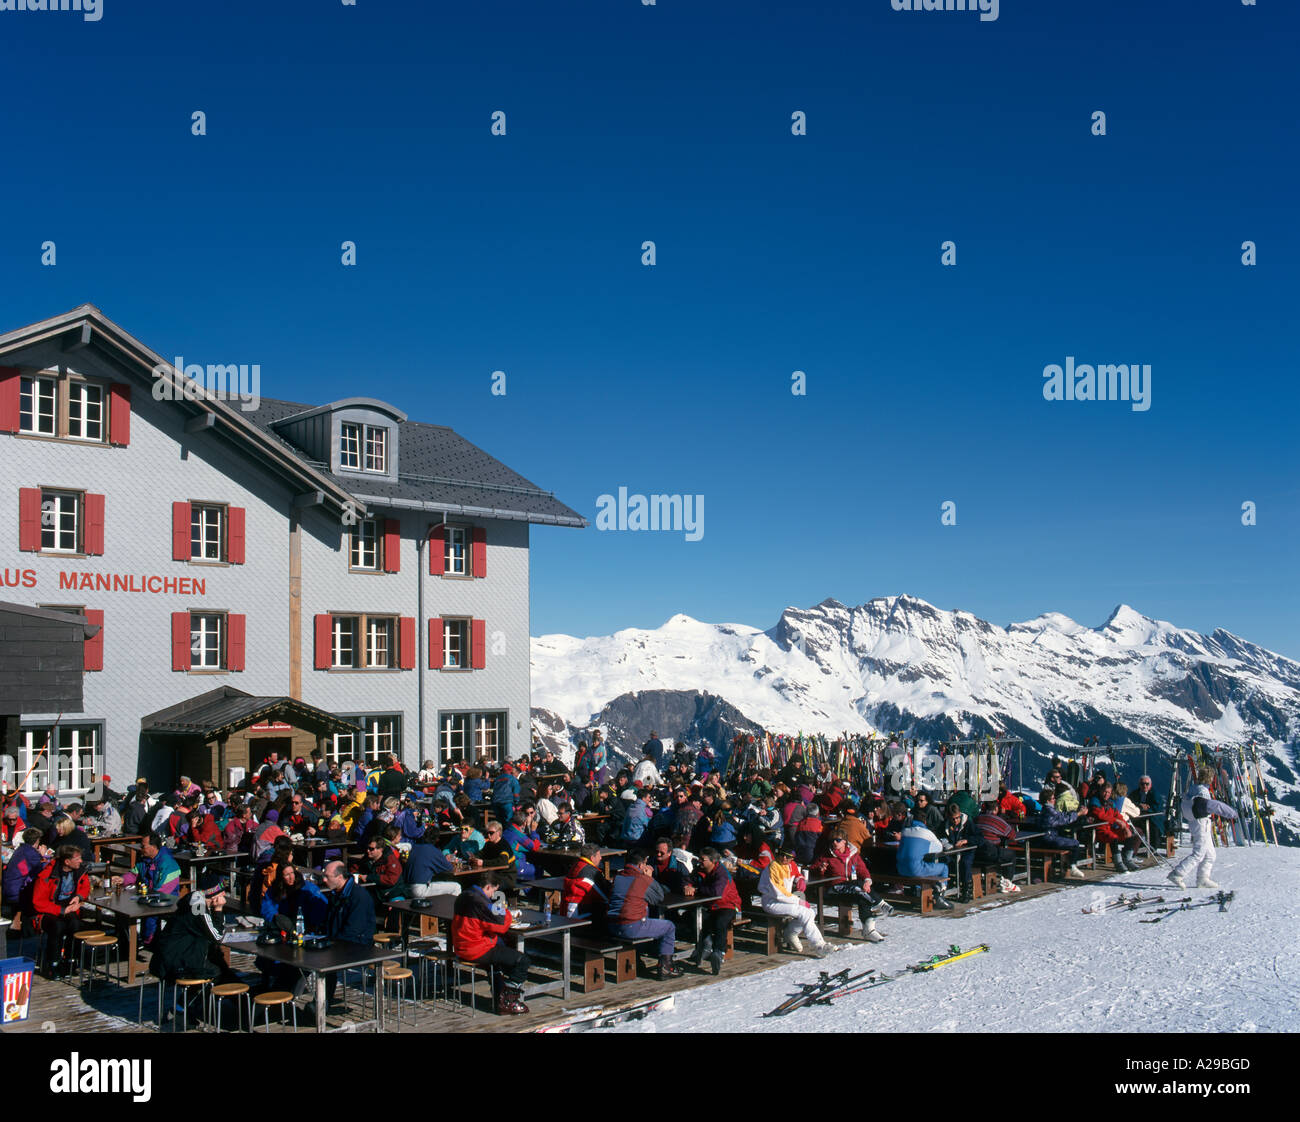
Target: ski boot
x,y
668,968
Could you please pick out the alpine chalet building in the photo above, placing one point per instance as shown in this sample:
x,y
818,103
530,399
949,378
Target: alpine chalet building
x,y
275,579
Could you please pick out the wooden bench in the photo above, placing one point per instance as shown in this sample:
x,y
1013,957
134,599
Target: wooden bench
x,y
896,887
594,951
770,926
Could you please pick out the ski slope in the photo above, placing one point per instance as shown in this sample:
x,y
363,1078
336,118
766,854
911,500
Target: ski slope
x,y
1050,968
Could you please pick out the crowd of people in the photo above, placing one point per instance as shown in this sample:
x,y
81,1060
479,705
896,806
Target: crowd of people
x,y
473,831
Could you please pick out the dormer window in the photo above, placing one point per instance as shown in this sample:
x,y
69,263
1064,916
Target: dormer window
x,y
363,447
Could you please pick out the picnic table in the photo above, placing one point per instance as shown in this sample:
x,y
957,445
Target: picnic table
x,y
566,857
531,924
128,911
675,902
330,960
192,865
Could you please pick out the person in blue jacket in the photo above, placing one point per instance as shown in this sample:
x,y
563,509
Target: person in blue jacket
x,y
638,815
505,794
917,843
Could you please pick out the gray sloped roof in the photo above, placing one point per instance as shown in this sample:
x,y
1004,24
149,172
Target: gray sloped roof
x,y
225,710
439,471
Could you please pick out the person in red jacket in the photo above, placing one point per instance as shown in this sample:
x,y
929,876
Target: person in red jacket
x,y
852,883
60,890
586,889
476,930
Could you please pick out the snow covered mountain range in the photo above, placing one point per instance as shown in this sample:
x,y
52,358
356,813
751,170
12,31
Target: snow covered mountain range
x,y
898,664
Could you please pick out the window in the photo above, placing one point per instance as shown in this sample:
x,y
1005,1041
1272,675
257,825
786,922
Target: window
x,y
60,522
85,411
73,760
364,642
365,546
471,736
36,406
455,644
457,562
457,551
487,735
376,449
208,641
207,532
380,735
379,640
206,635
66,406
350,446
363,447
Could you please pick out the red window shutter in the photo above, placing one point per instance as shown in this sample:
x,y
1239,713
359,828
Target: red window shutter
x,y
235,641
477,644
180,640
478,552
11,382
392,545
119,414
437,553
29,519
435,644
93,539
324,642
181,531
235,535
406,643
94,652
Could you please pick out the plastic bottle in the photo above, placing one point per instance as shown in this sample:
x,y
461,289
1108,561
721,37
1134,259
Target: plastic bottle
x,y
299,929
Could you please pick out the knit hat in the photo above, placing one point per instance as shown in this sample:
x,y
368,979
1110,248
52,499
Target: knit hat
x,y
211,884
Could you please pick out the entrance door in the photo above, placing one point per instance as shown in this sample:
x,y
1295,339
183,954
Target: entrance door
x,y
261,747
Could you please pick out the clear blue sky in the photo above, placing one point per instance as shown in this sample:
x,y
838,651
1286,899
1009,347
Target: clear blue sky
x,y
776,253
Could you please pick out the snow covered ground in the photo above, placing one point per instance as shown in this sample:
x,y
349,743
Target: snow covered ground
x,y
1053,969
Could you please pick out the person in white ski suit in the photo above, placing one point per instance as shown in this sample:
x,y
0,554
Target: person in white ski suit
x,y
777,885
1197,808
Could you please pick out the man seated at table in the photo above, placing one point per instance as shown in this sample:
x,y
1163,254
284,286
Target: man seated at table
x,y
586,889
635,892
428,872
916,858
565,830
475,937
996,835
523,840
102,816
189,944
60,890
1052,822
496,851
466,843
666,869
852,883
778,886
349,919
301,818
382,865
1149,803
158,871
713,879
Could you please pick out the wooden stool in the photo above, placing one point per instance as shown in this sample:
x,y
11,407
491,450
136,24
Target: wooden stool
x,y
278,998
235,990
383,938
97,941
398,976
184,986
